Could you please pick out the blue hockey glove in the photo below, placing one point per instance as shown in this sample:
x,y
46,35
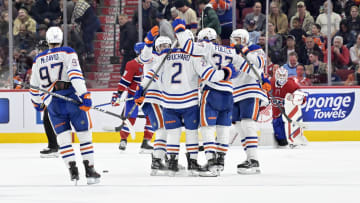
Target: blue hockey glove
x,y
139,95
230,72
86,101
266,84
179,25
151,35
39,107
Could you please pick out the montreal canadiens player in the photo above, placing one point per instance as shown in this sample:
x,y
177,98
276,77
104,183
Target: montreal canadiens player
x,y
283,88
57,70
130,79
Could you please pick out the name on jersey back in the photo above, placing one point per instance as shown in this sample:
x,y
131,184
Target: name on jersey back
x,y
49,57
179,56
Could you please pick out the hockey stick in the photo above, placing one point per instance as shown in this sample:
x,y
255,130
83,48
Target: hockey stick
x,y
270,93
70,99
149,83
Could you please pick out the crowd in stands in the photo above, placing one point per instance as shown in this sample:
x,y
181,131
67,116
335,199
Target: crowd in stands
x,y
31,19
297,31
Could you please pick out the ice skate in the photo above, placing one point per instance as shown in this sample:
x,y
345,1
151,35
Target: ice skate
x,y
122,145
193,167
74,172
158,167
220,162
49,153
145,147
249,167
92,176
173,165
210,169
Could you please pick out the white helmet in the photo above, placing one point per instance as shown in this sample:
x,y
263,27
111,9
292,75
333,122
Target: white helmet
x,y
242,34
54,35
161,40
208,33
281,76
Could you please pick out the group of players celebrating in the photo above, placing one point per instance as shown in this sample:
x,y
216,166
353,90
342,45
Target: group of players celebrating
x,y
198,84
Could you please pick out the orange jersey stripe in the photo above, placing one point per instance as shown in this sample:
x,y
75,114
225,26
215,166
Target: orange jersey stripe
x,y
70,150
250,88
256,109
90,147
75,74
159,115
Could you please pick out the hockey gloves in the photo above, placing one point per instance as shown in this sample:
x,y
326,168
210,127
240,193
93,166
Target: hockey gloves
x,y
230,72
115,98
266,85
151,36
86,102
38,106
139,95
240,49
179,25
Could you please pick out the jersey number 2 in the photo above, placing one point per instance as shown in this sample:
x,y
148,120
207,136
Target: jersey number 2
x,y
173,78
44,73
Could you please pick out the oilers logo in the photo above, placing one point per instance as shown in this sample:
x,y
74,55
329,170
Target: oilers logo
x,y
328,107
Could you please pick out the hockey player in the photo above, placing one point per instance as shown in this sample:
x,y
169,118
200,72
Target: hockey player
x,y
248,94
179,92
130,79
57,69
283,87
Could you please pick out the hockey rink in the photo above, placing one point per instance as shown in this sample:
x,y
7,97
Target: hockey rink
x,y
321,172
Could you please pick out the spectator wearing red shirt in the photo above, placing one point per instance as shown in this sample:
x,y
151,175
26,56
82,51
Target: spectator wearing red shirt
x,y
340,55
300,78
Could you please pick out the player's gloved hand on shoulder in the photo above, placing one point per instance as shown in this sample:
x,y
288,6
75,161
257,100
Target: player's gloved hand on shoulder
x,y
86,101
266,85
38,106
115,98
230,72
151,36
179,25
139,95
241,49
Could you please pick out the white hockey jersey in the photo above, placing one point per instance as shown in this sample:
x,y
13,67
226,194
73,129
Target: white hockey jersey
x,y
52,65
179,78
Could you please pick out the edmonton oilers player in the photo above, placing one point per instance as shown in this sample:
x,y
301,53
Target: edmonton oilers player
x,y
248,94
128,82
178,81
57,70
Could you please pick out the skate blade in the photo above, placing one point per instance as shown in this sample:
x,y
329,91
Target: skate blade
x,y
52,155
219,169
109,128
91,181
156,172
193,173
208,174
145,151
250,171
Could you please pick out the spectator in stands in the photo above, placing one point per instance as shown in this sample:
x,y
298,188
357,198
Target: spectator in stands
x,y
24,19
41,33
262,41
335,20
5,7
353,20
223,9
4,72
355,53
128,38
209,17
4,23
300,77
165,28
253,34
287,50
340,55
24,40
165,8
188,14
46,12
298,32
315,68
85,16
174,14
291,65
257,16
278,19
318,37
348,35
28,4
148,16
310,47
343,7
313,6
304,18
274,43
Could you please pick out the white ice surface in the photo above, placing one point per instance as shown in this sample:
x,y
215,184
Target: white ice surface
x,y
322,172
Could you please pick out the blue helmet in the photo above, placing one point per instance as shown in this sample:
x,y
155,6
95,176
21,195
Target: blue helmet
x,y
138,47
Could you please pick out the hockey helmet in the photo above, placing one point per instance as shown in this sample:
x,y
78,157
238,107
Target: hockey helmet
x,y
160,41
281,76
239,37
207,33
54,35
138,47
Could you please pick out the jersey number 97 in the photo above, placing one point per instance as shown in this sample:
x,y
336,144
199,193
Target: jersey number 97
x,y
44,73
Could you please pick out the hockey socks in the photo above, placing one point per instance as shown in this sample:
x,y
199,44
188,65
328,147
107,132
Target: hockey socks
x,y
192,143
160,144
208,134
249,138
